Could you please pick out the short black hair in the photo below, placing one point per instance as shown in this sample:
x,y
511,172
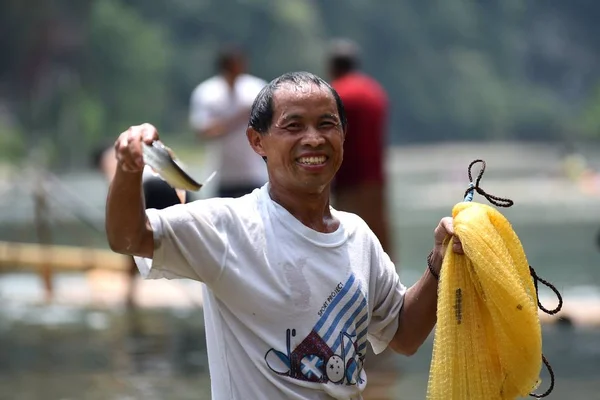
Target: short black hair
x,y
98,154
227,56
261,114
344,56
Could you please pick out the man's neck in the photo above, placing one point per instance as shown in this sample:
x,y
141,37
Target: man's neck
x,y
342,75
312,209
230,79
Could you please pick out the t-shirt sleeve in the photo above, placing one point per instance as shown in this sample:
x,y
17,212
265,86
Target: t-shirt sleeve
x,y
388,299
189,242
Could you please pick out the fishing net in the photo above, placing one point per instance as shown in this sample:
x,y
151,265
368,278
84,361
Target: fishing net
x,y
488,342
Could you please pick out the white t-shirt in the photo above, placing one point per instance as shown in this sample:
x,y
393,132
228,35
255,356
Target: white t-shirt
x,y
288,310
231,154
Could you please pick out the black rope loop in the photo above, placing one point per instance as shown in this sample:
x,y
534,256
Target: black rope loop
x,y
551,387
475,186
537,279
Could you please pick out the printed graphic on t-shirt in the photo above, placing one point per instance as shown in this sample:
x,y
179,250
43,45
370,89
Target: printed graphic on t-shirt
x,y
334,350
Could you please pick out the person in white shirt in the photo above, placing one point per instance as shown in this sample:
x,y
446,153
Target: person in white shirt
x,y
220,107
294,289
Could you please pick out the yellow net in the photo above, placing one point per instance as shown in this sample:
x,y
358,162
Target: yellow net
x,y
488,343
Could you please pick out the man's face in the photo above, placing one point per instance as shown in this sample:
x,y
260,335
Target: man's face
x,y
238,66
304,145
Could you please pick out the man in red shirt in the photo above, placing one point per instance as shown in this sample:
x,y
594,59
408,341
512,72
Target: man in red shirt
x,y
360,185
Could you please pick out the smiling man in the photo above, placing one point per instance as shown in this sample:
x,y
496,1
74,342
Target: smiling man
x,y
294,289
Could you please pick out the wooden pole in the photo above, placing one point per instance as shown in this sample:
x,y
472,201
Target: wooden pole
x,y
43,232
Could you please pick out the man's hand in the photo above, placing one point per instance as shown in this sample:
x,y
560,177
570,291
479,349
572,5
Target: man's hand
x,y
226,125
127,228
128,147
217,129
443,235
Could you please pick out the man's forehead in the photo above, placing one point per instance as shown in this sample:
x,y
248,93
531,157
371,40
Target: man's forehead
x,y
291,94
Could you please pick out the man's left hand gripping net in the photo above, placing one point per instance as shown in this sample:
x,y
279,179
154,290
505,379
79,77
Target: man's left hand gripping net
x,y
488,342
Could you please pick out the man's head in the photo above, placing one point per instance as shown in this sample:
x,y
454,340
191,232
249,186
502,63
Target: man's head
x,y
103,159
298,123
231,62
343,57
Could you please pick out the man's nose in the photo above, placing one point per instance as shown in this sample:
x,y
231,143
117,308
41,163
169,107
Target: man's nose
x,y
313,137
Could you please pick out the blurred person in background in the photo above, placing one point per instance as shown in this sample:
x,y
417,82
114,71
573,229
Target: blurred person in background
x,y
220,107
360,184
157,194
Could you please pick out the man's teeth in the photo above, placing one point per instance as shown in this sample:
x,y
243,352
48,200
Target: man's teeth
x,y
312,160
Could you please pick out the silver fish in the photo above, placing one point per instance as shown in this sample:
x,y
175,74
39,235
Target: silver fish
x,y
162,160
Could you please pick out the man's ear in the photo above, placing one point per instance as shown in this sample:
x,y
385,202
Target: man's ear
x,y
255,139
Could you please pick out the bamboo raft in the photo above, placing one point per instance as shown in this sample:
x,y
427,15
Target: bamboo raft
x,y
34,257
46,259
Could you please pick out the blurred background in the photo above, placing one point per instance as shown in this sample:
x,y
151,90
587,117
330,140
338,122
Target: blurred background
x,y
516,83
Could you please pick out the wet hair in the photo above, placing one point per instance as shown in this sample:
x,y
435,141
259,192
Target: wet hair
x,y
261,114
344,56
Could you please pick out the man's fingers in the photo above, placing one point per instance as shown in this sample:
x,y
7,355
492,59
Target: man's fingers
x,y
149,133
134,154
128,149
457,245
448,225
443,229
444,232
128,146
125,162
135,146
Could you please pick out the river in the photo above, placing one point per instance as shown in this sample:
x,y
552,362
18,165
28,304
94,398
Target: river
x,y
69,351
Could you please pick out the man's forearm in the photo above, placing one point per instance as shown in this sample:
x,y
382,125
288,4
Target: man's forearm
x,y
125,214
218,128
418,315
225,125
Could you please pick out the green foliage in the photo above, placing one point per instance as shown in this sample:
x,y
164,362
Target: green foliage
x,y
124,71
12,147
590,116
79,73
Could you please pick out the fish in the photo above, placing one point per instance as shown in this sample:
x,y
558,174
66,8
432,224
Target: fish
x,y
164,162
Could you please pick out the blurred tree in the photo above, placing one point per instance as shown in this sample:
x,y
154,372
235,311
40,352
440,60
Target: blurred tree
x,y
453,69
123,70
81,72
76,73
279,35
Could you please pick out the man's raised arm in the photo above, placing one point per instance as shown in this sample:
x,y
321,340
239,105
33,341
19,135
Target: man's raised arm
x,y
127,228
